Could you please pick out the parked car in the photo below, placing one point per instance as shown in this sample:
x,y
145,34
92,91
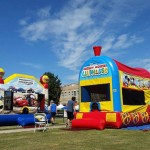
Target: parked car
x,y
21,90
30,90
12,88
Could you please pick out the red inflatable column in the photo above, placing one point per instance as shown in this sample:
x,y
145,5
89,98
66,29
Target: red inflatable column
x,y
2,72
97,50
41,100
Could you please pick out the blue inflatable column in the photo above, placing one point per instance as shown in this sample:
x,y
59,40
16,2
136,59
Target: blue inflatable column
x,y
115,86
116,97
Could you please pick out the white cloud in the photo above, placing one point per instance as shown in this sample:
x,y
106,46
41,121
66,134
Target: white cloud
x,y
31,65
82,23
125,41
73,77
44,12
108,43
119,43
35,31
144,63
24,22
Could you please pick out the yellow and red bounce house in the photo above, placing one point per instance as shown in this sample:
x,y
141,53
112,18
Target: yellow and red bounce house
x,y
112,94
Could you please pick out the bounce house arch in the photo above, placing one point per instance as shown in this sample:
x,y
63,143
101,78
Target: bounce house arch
x,y
20,76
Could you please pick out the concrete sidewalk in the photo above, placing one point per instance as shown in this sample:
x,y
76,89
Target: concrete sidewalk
x,y
29,129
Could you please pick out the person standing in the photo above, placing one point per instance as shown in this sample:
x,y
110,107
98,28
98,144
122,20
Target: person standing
x,y
53,111
76,107
70,111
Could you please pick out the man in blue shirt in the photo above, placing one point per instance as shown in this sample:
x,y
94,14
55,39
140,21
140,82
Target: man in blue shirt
x,y
70,110
53,111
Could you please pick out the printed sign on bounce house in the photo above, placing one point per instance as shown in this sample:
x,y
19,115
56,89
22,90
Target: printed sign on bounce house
x,y
94,70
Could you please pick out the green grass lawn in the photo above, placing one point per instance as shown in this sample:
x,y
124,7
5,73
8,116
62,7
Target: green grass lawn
x,y
63,139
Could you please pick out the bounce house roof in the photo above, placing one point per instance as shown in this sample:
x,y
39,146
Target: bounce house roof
x,y
122,67
135,71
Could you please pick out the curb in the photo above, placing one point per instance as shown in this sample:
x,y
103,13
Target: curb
x,y
29,129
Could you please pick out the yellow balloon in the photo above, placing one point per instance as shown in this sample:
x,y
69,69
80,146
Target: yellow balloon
x,y
45,79
2,72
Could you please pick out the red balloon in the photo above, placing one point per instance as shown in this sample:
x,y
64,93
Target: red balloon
x,y
46,86
1,81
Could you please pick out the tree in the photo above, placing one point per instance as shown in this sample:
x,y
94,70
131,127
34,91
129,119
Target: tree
x,y
54,89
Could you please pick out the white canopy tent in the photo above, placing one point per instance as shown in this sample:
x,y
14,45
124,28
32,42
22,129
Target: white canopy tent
x,y
60,106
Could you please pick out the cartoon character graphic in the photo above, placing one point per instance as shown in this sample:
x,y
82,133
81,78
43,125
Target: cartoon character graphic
x,y
126,81
26,100
132,80
20,101
32,101
148,85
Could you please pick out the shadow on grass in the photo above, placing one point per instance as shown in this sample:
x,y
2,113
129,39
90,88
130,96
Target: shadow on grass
x,y
75,129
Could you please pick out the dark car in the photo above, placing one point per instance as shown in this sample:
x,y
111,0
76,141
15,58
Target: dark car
x,y
13,89
30,90
21,90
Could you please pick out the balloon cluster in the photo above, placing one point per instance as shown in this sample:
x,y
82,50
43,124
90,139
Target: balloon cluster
x,y
2,72
44,81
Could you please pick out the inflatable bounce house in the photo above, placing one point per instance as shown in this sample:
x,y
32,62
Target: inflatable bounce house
x,y
21,96
112,94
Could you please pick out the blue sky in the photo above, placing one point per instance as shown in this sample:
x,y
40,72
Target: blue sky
x,y
57,36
